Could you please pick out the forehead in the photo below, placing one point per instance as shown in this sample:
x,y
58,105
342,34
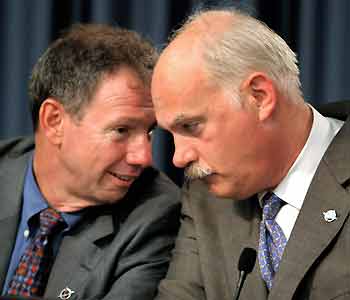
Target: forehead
x,y
124,87
121,93
181,87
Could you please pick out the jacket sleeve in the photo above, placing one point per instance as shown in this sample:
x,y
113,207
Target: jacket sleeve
x,y
184,280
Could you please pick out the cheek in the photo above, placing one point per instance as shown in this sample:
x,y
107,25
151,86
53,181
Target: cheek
x,y
240,137
112,153
232,153
85,150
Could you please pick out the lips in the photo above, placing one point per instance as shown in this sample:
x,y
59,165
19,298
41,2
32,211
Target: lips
x,y
125,178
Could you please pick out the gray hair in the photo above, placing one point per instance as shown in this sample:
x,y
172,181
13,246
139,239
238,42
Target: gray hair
x,y
244,46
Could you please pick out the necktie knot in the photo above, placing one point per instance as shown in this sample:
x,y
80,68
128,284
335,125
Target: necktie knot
x,y
50,221
272,205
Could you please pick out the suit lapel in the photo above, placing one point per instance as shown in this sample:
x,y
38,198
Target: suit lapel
x,y
79,254
311,233
11,182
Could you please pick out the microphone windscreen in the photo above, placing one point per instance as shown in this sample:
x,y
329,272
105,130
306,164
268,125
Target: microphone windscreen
x,y
247,260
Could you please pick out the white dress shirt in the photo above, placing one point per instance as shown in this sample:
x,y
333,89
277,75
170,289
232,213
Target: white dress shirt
x,y
294,186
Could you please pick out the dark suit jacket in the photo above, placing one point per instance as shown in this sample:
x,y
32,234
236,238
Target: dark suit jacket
x,y
316,261
116,252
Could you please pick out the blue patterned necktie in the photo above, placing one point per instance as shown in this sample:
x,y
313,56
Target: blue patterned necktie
x,y
272,240
31,275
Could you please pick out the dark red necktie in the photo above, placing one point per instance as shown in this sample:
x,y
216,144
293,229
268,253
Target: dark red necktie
x,y
33,270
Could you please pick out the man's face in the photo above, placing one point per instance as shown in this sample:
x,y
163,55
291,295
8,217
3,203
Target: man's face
x,y
107,149
211,129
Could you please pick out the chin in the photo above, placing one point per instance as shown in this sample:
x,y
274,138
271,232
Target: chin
x,y
110,197
222,191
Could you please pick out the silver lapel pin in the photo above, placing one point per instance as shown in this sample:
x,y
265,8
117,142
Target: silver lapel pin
x,y
330,215
66,293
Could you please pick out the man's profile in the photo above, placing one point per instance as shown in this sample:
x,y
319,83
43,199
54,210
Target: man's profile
x,y
227,87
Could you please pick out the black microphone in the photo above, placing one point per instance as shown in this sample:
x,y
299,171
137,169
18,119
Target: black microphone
x,y
245,266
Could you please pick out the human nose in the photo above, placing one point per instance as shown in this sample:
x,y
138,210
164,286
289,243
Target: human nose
x,y
140,152
184,153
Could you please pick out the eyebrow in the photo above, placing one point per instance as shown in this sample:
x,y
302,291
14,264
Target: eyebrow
x,y
178,120
181,118
131,120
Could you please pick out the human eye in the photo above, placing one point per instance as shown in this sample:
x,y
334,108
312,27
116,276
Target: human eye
x,y
191,127
121,131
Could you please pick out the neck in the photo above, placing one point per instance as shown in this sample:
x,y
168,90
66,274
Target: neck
x,y
296,122
50,181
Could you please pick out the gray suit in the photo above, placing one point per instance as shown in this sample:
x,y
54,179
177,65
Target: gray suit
x,y
316,261
117,252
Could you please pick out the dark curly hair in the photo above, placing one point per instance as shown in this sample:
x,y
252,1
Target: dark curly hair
x,y
73,65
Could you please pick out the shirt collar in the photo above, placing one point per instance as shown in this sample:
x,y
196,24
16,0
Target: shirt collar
x,y
34,201
294,186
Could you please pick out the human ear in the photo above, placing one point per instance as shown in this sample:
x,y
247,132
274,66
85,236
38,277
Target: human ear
x,y
51,118
262,94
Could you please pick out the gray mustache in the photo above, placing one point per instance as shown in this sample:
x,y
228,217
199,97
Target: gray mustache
x,y
195,171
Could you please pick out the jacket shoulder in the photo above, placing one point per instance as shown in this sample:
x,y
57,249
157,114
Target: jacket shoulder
x,y
16,146
338,110
153,192
153,182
